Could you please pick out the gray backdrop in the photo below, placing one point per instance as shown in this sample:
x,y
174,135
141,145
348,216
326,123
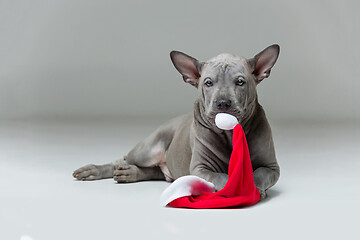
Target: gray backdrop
x,y
62,58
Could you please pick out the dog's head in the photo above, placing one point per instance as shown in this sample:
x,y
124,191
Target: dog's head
x,y
227,83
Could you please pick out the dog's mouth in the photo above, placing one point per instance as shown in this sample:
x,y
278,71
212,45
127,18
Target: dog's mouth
x,y
235,112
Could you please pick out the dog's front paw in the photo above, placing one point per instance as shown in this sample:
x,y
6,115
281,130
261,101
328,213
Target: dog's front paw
x,y
262,194
87,173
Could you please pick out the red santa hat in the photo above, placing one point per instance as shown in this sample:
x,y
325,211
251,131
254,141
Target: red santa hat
x,y
239,191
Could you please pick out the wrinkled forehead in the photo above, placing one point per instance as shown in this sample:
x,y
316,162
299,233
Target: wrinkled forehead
x,y
227,64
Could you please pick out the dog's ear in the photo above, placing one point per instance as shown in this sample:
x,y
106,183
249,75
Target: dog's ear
x,y
188,66
262,63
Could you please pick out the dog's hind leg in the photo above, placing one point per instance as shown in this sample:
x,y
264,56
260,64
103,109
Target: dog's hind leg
x,y
146,161
94,172
121,171
132,173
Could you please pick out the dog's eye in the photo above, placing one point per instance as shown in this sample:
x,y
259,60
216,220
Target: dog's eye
x,y
208,82
240,82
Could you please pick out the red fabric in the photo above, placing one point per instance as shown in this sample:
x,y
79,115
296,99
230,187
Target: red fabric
x,y
239,190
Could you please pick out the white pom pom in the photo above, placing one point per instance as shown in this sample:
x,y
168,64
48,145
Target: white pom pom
x,y
225,121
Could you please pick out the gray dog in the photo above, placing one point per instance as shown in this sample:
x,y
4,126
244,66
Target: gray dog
x,y
192,144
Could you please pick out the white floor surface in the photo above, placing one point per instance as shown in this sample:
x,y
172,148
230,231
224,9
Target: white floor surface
x,y
317,196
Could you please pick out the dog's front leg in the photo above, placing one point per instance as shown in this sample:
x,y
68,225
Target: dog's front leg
x,y
218,179
265,178
201,167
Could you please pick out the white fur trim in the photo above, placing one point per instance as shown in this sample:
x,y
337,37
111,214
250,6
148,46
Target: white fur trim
x,y
186,186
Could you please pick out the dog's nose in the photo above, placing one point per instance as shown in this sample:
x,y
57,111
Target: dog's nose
x,y
223,104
